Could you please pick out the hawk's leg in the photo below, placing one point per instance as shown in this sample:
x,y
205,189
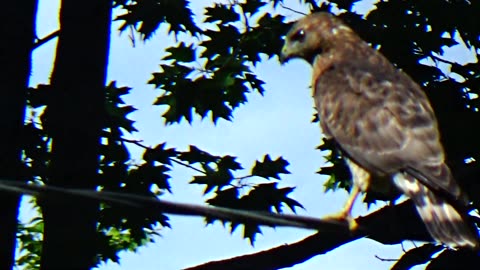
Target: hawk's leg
x,y
361,181
346,213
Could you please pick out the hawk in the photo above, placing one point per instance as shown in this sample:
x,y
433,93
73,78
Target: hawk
x,y
383,123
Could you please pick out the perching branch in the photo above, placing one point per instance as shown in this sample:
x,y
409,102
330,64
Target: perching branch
x,y
389,225
284,255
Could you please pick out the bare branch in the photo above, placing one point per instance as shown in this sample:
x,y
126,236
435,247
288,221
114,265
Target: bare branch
x,y
285,255
46,39
385,260
187,165
439,59
291,9
139,144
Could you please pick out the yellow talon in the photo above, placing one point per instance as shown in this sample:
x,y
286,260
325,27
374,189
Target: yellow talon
x,y
352,224
345,214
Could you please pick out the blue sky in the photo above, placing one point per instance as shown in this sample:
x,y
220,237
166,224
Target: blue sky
x,y
277,123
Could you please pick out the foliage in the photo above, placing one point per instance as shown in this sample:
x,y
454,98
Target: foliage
x,y
213,76
30,238
208,73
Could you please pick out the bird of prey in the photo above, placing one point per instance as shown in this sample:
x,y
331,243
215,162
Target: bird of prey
x,y
383,123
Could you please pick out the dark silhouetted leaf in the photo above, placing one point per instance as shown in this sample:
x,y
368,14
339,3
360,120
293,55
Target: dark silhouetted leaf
x,y
214,180
195,155
147,15
252,6
270,168
160,154
221,13
228,162
181,53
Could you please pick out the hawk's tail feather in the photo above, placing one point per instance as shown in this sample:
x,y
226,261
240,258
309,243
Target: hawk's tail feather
x,y
444,222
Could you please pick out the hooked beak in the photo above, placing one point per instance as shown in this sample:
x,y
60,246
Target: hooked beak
x,y
284,55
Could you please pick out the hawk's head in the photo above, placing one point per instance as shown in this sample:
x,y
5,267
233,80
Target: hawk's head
x,y
313,35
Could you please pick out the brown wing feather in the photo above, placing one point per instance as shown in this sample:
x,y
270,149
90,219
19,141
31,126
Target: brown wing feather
x,y
383,121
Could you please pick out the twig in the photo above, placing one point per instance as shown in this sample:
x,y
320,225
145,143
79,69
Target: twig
x,y
243,177
291,9
132,35
441,59
46,39
187,165
139,144
385,260
136,142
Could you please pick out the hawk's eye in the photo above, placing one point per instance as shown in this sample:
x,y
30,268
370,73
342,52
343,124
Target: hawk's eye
x,y
299,36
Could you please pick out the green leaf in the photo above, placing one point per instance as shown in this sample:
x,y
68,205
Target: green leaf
x,y
252,6
265,196
250,231
214,180
228,162
114,152
220,43
220,12
269,168
116,111
160,154
255,83
339,174
180,97
262,198
171,75
195,155
266,38
181,53
146,16
225,198
140,180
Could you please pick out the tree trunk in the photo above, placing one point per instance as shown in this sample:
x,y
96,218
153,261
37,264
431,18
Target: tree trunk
x,y
17,32
74,121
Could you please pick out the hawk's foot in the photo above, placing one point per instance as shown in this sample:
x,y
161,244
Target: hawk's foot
x,y
344,217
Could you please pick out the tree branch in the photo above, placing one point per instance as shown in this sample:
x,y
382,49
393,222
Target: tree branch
x,y
389,225
285,255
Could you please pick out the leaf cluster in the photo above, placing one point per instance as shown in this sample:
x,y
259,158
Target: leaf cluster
x,y
244,192
146,16
214,74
